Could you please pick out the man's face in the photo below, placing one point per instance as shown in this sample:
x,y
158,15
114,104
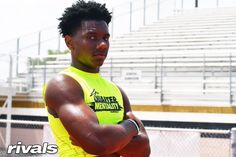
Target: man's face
x,y
90,44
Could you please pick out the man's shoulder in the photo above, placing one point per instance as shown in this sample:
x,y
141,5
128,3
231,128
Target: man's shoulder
x,y
55,80
61,80
61,89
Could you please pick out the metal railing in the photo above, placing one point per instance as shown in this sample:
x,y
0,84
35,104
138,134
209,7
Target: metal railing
x,y
196,78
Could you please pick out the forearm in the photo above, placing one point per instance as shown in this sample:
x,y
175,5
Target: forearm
x,y
107,139
117,136
138,147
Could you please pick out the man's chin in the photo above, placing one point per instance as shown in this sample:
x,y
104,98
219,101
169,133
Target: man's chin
x,y
99,63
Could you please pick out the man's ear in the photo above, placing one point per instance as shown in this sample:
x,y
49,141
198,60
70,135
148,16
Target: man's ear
x,y
69,42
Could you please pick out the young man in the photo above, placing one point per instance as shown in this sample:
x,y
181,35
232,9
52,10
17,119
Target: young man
x,y
91,116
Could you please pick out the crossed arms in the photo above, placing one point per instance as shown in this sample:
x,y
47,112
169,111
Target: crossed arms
x,y
64,98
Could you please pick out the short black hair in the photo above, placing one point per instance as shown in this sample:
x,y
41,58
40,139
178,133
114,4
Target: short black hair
x,y
81,10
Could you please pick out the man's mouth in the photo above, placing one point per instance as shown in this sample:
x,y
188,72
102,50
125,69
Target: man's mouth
x,y
100,54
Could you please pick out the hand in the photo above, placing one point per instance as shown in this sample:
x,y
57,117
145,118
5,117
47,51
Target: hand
x,y
130,115
139,145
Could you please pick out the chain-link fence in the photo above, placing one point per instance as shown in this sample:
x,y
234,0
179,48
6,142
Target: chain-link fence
x,y
172,142
31,138
165,142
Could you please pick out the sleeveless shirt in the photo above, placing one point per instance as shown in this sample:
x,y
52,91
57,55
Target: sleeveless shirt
x,y
101,95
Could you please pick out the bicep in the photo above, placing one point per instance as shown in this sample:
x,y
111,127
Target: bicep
x,y
80,121
64,96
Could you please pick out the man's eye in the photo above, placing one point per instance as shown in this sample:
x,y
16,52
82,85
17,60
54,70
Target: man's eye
x,y
106,38
92,37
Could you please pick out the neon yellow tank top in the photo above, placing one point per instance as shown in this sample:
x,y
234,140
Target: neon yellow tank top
x,y
101,95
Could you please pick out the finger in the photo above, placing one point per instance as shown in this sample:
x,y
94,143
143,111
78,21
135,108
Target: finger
x,y
130,115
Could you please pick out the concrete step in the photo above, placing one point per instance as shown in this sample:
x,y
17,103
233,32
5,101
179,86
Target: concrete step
x,y
133,45
180,36
174,48
200,18
185,29
190,33
195,12
190,24
171,40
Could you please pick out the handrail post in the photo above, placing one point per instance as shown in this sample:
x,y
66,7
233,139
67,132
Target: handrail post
x,y
230,79
217,3
29,79
39,42
9,105
32,73
155,85
161,80
158,9
196,3
59,43
175,8
144,12
130,16
17,55
45,71
204,74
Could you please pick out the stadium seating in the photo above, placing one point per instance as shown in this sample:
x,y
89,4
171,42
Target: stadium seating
x,y
188,58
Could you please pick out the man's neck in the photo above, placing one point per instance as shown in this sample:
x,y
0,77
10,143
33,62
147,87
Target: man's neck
x,y
84,67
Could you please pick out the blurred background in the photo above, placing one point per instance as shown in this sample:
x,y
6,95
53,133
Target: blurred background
x,y
175,59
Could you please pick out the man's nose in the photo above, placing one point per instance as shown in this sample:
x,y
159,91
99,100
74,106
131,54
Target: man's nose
x,y
102,46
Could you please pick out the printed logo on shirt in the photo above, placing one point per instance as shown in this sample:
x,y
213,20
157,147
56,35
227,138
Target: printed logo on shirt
x,y
104,103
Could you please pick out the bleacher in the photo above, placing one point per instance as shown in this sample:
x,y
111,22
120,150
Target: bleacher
x,y
198,29
189,58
